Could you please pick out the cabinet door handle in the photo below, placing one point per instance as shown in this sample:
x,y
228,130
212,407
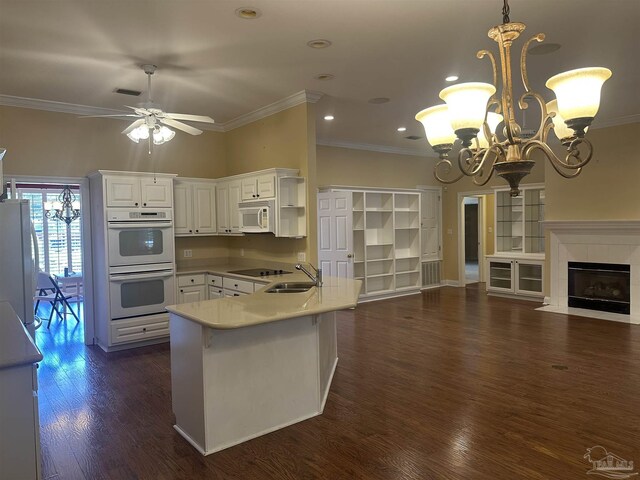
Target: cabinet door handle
x,y
181,291
190,231
144,329
144,204
235,285
136,204
197,231
258,195
192,280
253,196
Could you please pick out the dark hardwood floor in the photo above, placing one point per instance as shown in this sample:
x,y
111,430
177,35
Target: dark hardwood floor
x,y
449,384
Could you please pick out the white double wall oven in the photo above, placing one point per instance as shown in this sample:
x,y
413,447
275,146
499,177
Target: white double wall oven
x,y
140,247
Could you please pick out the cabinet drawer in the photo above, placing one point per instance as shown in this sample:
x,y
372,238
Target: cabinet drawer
x,y
138,329
238,285
215,292
233,293
186,280
214,280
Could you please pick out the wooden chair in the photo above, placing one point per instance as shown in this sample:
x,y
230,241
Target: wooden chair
x,y
47,290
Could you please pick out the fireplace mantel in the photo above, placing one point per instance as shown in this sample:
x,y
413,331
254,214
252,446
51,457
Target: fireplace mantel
x,y
597,241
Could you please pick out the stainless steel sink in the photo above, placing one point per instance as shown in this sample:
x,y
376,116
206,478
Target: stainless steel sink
x,y
290,287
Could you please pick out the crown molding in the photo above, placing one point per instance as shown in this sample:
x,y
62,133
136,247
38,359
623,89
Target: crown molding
x,y
614,122
373,148
304,96
60,107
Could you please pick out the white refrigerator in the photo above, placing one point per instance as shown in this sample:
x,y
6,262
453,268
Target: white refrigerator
x,y
18,259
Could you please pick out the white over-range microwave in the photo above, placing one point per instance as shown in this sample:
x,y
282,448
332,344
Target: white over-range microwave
x,y
257,217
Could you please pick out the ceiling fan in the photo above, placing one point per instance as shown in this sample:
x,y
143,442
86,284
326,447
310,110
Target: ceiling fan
x,y
152,121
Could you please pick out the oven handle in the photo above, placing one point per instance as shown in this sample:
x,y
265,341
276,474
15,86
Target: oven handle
x,y
123,225
140,276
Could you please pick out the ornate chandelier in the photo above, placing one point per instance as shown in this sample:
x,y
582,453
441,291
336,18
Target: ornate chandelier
x,y
472,112
65,209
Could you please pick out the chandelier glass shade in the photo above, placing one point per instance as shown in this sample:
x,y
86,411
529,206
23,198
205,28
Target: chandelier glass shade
x,y
473,111
66,208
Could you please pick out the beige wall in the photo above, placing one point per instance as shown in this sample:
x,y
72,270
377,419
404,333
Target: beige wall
x,y
608,187
285,139
362,168
61,144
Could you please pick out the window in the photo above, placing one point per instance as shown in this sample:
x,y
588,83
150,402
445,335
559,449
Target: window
x,y
60,245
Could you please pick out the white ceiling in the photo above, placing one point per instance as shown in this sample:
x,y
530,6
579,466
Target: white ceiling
x,y
213,63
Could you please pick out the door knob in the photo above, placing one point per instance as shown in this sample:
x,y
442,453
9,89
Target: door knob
x,y
349,255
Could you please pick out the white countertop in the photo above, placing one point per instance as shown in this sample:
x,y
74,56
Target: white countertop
x,y
16,345
261,307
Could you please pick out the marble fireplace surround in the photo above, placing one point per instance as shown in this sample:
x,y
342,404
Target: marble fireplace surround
x,y
599,241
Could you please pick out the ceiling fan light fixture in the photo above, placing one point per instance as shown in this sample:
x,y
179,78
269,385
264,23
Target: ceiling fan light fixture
x,y
167,133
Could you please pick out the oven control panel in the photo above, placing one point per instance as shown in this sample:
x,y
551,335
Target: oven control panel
x,y
121,215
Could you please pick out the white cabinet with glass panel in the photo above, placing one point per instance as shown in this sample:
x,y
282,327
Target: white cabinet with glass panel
x,y
519,220
517,268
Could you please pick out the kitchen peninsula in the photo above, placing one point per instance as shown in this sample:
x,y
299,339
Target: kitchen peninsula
x,y
245,366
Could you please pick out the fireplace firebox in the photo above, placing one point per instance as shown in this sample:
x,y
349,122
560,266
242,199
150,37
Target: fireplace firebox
x,y
600,286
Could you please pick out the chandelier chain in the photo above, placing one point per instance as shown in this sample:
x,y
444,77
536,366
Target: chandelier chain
x,y
505,12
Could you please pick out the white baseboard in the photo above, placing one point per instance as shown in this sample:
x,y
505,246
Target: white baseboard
x,y
547,301
451,283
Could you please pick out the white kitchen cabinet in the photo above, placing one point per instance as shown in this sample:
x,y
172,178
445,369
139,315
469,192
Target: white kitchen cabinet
x,y
194,208
377,232
259,187
145,191
228,196
191,288
517,276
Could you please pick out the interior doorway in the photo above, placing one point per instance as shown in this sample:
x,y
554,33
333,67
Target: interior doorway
x,y
475,219
64,250
471,240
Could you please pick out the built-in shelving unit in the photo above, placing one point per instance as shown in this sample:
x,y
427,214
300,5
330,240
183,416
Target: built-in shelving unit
x,y
386,240
292,205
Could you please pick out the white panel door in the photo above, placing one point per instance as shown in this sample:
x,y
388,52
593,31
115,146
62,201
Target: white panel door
x,y
204,208
182,220
156,192
430,224
335,234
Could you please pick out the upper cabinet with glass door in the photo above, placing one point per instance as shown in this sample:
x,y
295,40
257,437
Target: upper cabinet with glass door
x,y
519,221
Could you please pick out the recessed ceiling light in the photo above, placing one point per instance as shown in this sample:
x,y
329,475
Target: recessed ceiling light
x,y
328,117
248,13
323,76
544,49
451,78
402,129
379,100
319,43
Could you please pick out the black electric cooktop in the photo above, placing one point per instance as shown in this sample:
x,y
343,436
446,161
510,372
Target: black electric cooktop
x,y
259,272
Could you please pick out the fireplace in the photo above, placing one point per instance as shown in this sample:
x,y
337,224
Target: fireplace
x,y
600,286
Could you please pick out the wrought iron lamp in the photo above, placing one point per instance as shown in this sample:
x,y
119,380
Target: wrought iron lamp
x,y
472,112
65,209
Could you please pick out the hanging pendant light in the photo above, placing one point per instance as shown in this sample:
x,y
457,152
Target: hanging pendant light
x,y
473,111
66,208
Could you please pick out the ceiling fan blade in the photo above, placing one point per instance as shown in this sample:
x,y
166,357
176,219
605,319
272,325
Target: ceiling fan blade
x,y
133,126
180,126
191,118
106,116
139,110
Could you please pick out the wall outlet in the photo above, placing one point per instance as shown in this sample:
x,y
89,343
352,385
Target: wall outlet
x,y
490,229
187,253
302,257
242,252
449,231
